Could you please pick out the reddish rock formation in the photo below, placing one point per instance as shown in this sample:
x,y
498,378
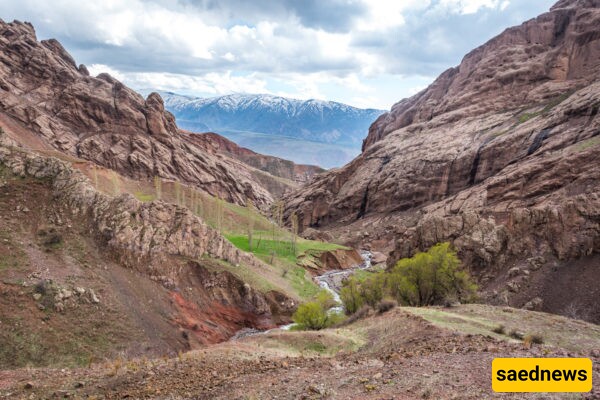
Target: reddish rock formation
x,y
499,155
101,120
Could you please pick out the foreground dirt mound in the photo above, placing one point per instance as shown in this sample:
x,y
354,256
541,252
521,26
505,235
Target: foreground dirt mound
x,y
100,119
400,356
499,156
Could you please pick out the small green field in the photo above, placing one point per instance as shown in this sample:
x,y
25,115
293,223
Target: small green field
x,y
280,255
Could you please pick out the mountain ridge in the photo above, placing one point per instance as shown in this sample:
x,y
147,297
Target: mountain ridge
x,y
296,123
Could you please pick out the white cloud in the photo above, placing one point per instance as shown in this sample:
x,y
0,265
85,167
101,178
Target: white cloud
x,y
300,49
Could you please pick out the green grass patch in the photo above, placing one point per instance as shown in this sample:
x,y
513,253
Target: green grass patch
x,y
280,255
145,197
586,144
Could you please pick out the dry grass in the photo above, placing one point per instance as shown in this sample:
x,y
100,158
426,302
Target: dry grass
x,y
573,335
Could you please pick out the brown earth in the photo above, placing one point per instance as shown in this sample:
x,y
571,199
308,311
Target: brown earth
x,y
101,120
399,356
498,156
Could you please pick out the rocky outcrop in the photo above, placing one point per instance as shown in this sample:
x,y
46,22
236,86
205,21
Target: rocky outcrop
x,y
340,259
100,119
140,235
499,155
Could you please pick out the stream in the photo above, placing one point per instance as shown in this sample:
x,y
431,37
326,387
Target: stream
x,y
330,281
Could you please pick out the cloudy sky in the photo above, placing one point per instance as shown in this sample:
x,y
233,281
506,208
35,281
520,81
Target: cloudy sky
x,y
360,52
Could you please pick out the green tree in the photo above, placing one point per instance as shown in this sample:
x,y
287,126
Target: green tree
x,y
430,278
372,289
351,296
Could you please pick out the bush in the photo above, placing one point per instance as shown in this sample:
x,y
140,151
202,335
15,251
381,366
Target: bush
x,y
515,334
310,316
314,315
386,305
432,277
499,330
351,296
533,338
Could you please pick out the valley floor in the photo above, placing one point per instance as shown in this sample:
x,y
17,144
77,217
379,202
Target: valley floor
x,y
430,353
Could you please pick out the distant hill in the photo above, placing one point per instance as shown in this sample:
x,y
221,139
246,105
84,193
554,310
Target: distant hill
x,y
325,133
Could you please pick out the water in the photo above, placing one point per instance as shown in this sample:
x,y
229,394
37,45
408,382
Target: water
x,y
327,281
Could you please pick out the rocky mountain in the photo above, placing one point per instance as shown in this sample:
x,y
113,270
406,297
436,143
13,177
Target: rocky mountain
x,y
275,166
101,120
499,155
306,131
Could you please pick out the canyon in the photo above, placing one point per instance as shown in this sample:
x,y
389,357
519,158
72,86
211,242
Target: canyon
x,y
141,260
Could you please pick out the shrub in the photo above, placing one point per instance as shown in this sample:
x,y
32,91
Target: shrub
x,y
386,305
533,338
50,237
314,315
499,330
432,277
310,316
351,296
372,288
515,334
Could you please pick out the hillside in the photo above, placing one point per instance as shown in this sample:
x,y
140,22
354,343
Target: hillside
x,y
325,133
113,243
499,156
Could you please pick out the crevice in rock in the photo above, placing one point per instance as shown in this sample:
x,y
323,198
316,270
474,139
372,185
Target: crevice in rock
x,y
363,204
538,140
475,166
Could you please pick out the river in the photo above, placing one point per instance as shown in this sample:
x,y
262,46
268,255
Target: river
x,y
330,281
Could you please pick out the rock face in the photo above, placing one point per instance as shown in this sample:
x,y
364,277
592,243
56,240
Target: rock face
x,y
340,259
139,234
499,155
101,120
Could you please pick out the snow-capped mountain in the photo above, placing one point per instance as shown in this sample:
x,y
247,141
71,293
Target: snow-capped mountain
x,y
276,125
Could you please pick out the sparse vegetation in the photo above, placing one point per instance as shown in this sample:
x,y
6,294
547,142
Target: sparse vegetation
x,y
428,278
515,334
500,329
386,305
50,237
533,338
